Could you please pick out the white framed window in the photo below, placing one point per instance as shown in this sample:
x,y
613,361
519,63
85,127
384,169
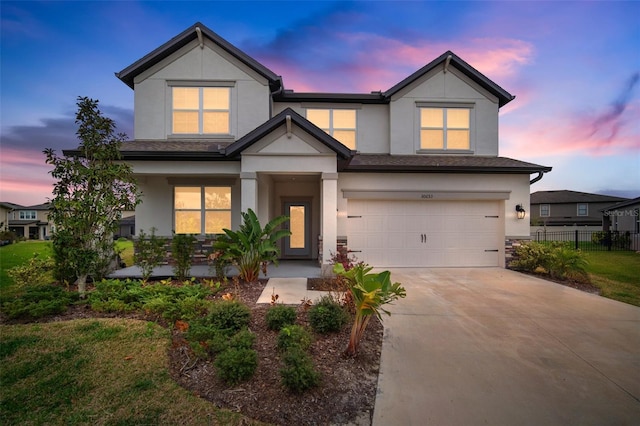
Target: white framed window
x,y
200,110
545,210
27,214
444,128
583,209
201,209
339,123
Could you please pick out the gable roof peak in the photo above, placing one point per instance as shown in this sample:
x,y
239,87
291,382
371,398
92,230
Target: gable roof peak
x,y
448,59
195,31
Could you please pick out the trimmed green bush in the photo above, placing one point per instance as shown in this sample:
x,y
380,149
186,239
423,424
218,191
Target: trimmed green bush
x,y
229,315
327,316
298,373
236,364
294,336
279,316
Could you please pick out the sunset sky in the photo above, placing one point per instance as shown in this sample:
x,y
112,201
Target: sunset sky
x,y
573,66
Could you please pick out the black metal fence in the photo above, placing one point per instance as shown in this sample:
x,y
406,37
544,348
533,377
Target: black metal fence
x,y
592,240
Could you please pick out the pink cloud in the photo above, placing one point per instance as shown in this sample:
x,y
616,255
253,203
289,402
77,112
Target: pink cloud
x,y
573,133
380,62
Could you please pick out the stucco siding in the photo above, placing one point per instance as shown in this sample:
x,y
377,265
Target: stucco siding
x,y
250,95
442,88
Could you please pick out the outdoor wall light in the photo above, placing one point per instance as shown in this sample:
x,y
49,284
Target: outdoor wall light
x,y
520,211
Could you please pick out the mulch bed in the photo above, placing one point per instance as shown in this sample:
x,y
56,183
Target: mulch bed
x,y
346,393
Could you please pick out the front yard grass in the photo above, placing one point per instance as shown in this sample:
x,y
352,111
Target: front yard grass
x,y
17,254
95,371
617,273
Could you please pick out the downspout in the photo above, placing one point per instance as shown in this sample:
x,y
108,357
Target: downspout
x,y
537,178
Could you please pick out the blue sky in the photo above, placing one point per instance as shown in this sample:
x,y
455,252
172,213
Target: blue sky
x,y
573,66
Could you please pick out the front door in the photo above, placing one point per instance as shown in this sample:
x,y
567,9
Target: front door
x,y
299,243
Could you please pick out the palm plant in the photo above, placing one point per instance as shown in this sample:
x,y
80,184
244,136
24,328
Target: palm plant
x,y
370,292
252,247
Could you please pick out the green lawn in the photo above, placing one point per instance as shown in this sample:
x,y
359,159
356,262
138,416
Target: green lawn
x,y
617,273
91,372
126,251
18,253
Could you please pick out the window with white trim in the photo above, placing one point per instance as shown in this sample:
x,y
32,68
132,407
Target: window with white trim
x,y
545,210
202,209
200,110
583,209
445,128
27,214
339,123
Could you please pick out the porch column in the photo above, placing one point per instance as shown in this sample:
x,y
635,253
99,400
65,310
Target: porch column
x,y
329,217
249,189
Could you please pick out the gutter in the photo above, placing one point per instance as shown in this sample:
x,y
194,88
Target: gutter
x,y
537,178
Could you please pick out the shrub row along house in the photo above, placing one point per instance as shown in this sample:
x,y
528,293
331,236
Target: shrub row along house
x,y
406,177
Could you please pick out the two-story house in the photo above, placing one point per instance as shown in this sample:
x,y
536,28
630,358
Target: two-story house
x,y
569,210
406,177
31,222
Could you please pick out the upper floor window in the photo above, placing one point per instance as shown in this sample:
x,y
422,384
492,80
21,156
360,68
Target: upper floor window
x,y
27,214
445,128
202,209
339,123
201,110
545,210
583,209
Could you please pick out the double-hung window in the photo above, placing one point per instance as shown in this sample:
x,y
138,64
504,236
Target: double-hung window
x,y
200,110
27,214
545,210
583,209
339,123
202,209
445,128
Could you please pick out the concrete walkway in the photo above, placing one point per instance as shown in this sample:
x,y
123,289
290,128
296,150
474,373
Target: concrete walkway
x,y
492,346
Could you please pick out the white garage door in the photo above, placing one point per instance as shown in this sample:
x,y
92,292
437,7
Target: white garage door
x,y
426,233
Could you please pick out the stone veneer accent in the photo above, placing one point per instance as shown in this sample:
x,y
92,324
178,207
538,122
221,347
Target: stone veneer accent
x,y
203,247
510,246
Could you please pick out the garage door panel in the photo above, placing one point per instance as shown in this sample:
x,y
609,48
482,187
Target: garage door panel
x,y
426,233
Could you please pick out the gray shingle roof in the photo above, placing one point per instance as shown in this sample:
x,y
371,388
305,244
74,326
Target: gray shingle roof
x,y
441,164
566,196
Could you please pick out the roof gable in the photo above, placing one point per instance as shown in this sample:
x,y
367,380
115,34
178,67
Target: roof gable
x,y
448,59
260,132
194,32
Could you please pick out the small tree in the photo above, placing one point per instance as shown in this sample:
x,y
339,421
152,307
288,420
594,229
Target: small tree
x,y
182,250
370,293
252,246
93,187
149,251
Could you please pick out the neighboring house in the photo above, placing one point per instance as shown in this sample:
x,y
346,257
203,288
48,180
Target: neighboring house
x,y
622,217
406,177
126,226
5,214
31,222
568,210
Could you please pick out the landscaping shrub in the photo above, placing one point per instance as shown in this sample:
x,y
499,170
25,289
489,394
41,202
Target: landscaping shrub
x,y
294,336
35,272
36,301
557,259
182,249
229,315
279,316
567,263
298,373
236,364
531,256
327,315
149,252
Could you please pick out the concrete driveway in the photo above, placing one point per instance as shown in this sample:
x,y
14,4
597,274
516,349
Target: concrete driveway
x,y
492,346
